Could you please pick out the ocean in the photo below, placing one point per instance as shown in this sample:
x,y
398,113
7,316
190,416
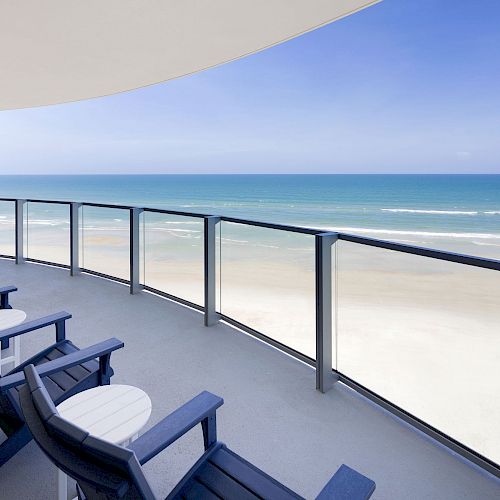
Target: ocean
x,y
405,325
455,212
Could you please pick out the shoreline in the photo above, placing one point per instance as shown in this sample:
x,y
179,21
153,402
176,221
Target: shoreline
x,y
45,231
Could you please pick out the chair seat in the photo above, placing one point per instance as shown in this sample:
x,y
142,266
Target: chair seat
x,y
60,385
224,474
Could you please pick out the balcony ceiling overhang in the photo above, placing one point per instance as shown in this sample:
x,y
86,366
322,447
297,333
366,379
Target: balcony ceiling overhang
x,y
57,51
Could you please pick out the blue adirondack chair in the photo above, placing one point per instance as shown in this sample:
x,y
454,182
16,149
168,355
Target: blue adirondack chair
x,y
65,369
106,471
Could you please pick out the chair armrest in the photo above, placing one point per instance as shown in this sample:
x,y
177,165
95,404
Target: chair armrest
x,y
172,427
347,483
57,319
4,295
75,358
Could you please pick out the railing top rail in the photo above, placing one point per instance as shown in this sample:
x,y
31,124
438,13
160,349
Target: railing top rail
x,y
35,200
271,225
176,212
362,240
424,252
53,202
107,205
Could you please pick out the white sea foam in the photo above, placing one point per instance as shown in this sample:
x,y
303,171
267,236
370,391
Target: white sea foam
x,y
171,230
44,222
182,231
182,234
365,230
100,228
182,222
234,241
433,212
265,246
492,212
484,244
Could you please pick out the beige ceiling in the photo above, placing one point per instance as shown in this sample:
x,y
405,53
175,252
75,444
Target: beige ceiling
x,y
55,51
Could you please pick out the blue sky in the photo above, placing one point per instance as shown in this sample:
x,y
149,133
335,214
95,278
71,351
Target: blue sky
x,y
402,87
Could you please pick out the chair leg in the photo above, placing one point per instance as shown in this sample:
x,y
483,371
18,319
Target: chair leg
x,y
14,443
105,369
209,427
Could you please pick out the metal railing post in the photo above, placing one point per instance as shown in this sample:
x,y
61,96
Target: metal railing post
x,y
20,231
324,314
135,285
74,238
210,224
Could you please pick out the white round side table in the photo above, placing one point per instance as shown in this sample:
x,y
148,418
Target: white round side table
x,y
115,413
8,319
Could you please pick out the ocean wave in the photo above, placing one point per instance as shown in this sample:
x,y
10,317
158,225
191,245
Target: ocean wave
x,y
182,231
262,245
100,228
171,230
484,244
433,212
250,244
178,233
46,222
182,222
492,212
480,236
242,242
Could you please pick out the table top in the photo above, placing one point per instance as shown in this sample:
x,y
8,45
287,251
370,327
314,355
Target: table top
x,y
114,413
10,318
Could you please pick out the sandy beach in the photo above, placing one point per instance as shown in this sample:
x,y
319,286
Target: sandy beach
x,y
420,332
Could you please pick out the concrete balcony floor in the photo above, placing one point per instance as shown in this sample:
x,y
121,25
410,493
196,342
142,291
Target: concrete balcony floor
x,y
272,414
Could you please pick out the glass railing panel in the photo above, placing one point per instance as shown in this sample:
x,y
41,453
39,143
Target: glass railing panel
x,y
174,255
267,283
46,232
423,333
7,228
105,241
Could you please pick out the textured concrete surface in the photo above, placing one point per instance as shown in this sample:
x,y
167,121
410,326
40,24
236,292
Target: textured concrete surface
x,y
272,414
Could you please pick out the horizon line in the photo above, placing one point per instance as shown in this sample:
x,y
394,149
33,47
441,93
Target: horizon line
x,y
243,173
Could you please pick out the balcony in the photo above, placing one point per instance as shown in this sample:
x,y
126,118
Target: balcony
x,y
419,428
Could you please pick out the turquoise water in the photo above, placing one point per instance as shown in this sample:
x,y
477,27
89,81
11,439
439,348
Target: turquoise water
x,y
461,212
